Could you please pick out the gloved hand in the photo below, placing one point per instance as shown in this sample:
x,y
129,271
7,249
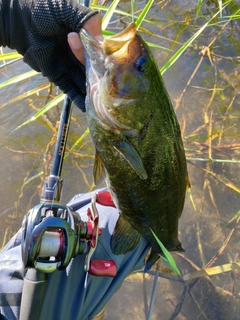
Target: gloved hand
x,y
38,30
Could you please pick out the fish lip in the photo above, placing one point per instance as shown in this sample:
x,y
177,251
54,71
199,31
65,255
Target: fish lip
x,y
111,44
126,32
86,36
94,50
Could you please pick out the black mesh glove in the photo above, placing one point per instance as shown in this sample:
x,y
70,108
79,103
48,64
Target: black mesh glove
x,y
38,30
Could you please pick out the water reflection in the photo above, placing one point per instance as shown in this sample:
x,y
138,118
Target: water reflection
x,y
205,93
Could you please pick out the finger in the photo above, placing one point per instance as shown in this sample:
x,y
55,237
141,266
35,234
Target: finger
x,y
94,26
76,46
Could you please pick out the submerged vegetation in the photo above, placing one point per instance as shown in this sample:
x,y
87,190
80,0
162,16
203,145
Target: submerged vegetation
x,y
196,45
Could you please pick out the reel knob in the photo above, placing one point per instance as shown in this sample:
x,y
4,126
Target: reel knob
x,y
103,268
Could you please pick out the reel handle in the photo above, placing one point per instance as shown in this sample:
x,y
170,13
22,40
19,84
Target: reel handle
x,y
103,268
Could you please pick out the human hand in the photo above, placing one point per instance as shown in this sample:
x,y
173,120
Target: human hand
x,y
48,50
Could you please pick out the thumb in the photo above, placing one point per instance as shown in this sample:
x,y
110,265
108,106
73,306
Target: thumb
x,y
93,26
76,46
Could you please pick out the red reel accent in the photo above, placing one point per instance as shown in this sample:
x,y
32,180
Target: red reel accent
x,y
104,198
103,268
92,227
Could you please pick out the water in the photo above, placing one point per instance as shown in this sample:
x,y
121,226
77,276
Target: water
x,y
208,112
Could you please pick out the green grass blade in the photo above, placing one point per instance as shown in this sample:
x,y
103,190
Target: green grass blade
x,y
144,13
235,217
120,12
16,79
212,271
187,43
132,9
220,7
79,141
156,46
48,106
41,173
167,257
199,4
107,17
10,56
26,94
107,33
191,198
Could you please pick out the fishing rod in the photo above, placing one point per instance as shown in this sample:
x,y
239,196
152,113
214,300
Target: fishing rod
x,y
52,188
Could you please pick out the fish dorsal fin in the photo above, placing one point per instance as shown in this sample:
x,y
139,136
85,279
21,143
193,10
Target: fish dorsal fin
x,y
124,238
99,174
132,157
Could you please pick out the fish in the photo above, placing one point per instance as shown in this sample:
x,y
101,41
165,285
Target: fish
x,y
139,151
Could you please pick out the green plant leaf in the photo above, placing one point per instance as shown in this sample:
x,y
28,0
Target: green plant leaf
x,y
235,217
167,257
120,12
191,198
10,56
107,17
26,94
19,78
212,271
48,106
79,141
144,13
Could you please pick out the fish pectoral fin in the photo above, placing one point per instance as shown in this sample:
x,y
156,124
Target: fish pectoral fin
x,y
99,174
124,238
132,157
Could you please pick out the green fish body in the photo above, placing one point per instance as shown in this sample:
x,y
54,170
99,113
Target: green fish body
x,y
139,150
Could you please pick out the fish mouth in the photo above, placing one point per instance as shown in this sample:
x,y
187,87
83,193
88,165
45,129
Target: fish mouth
x,y
120,41
98,54
99,50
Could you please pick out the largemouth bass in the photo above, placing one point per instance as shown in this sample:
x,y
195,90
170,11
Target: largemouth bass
x,y
139,150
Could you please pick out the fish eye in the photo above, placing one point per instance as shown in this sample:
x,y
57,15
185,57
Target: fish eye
x,y
140,63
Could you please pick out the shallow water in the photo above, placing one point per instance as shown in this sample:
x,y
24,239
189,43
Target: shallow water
x,y
208,109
